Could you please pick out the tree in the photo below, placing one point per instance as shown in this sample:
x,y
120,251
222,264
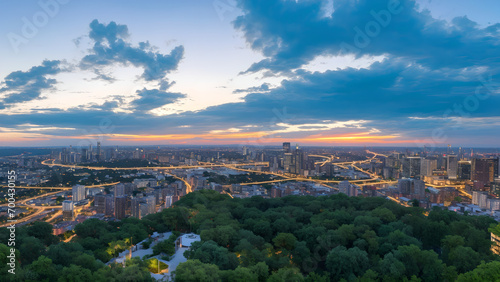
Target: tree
x,y
43,231
463,258
91,228
261,270
44,269
223,235
392,268
88,262
285,241
75,273
286,274
166,247
346,263
421,263
385,214
240,274
484,272
195,270
31,249
210,252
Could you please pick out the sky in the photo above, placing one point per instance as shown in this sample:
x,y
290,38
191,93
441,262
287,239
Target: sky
x,y
313,72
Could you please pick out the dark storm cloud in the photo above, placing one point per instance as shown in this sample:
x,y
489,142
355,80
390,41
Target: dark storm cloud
x,y
292,33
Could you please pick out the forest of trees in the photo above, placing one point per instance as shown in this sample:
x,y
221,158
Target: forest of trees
x,y
295,238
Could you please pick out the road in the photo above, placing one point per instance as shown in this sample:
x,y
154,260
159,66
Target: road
x,y
39,209
62,188
149,167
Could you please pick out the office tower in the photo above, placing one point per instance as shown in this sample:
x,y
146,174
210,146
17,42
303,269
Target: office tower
x,y
100,203
288,162
452,166
483,170
67,208
480,199
344,187
119,190
464,170
412,187
427,166
245,150
286,147
134,207
90,154
120,207
496,171
493,204
143,209
78,192
110,206
99,152
168,201
411,167
293,162
151,201
352,191
441,162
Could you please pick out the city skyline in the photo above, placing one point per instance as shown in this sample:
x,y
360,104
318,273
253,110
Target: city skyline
x,y
378,73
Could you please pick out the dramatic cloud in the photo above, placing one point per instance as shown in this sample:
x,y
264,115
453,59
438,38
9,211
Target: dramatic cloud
x,y
292,33
262,88
433,75
153,98
110,47
19,86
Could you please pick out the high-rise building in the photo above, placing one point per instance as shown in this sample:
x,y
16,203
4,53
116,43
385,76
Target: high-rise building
x,y
464,170
143,210
245,150
119,190
352,191
286,147
120,207
168,201
134,207
110,206
99,152
427,166
100,203
412,187
78,192
493,204
293,161
67,208
151,201
452,166
483,170
480,199
411,167
344,186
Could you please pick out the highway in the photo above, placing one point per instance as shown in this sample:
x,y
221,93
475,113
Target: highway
x,y
62,188
39,209
150,167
